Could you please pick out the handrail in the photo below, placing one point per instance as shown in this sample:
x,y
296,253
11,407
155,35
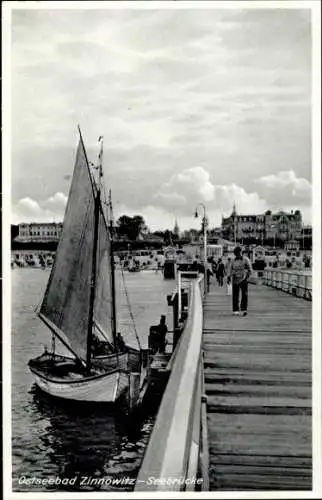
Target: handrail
x,y
172,455
295,283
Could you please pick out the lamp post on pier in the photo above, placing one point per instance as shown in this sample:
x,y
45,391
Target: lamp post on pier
x,y
204,242
273,226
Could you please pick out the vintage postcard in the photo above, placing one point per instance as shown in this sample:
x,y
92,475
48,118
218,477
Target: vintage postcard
x,y
162,249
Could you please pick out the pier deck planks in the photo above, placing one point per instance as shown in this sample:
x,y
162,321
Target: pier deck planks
x,y
258,385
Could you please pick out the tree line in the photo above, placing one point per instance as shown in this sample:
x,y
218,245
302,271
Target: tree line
x,y
131,228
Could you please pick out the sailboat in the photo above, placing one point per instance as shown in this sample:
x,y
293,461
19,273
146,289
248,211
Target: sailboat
x,y
79,304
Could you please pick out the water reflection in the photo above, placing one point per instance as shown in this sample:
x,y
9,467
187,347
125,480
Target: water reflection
x,y
91,441
55,438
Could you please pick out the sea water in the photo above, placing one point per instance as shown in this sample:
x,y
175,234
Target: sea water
x,y
57,445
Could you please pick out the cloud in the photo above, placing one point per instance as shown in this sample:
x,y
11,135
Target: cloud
x,y
226,90
246,203
56,202
190,187
29,210
173,199
285,188
190,184
29,207
185,189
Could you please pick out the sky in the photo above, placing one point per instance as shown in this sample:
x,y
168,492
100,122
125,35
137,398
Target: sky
x,y
208,106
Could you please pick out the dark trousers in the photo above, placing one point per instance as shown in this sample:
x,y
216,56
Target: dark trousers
x,y
208,280
243,288
220,279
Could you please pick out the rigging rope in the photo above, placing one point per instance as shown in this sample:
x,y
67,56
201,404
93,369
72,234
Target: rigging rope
x,y
41,298
130,310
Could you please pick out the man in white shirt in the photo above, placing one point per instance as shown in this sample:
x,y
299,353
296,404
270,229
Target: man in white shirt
x,y
240,272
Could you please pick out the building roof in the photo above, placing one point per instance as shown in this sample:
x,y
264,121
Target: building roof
x,y
40,224
254,217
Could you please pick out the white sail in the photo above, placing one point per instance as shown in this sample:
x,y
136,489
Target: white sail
x,y
66,303
79,301
103,305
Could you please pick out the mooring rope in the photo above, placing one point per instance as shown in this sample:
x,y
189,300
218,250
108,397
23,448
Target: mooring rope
x,y
130,310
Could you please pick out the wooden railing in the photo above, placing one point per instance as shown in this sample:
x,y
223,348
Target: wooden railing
x,y
176,457
298,284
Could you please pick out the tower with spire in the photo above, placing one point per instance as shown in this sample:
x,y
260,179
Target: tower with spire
x,y
176,230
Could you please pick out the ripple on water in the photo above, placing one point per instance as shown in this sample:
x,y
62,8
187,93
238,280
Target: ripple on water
x,y
51,438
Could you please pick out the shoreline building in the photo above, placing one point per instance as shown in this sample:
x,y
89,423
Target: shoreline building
x,y
39,231
281,226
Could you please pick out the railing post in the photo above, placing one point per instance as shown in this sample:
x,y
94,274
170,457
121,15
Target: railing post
x,y
202,286
204,446
193,460
290,282
173,449
179,296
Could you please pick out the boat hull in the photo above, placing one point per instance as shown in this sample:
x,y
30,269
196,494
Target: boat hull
x,y
101,387
107,389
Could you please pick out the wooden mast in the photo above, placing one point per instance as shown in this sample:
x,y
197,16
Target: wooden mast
x,y
114,332
94,262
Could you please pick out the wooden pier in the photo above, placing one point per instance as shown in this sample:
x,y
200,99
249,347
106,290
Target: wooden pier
x,y
236,412
258,385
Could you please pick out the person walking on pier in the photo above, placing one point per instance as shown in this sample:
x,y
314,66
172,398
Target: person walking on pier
x,y
241,270
209,273
228,274
220,272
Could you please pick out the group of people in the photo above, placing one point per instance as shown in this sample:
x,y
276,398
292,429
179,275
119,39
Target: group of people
x,y
237,272
101,347
219,269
